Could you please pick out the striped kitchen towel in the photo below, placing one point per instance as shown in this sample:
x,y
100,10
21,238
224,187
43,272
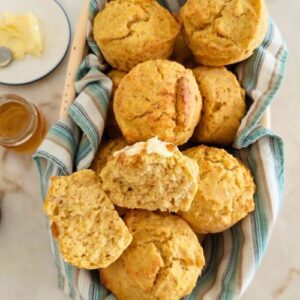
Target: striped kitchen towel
x,y
232,257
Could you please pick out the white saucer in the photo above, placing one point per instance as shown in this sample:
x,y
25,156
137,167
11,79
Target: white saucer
x,y
56,35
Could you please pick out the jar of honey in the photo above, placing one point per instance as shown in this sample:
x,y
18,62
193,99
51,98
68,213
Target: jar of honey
x,y
22,127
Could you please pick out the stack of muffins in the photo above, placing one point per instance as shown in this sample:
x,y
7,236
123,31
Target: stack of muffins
x,y
140,213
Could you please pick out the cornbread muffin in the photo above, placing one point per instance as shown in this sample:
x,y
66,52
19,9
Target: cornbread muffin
x,y
158,98
151,175
116,279
112,128
224,105
105,153
163,261
224,32
88,230
129,32
225,191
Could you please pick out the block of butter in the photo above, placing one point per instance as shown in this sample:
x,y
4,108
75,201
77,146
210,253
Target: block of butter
x,y
21,34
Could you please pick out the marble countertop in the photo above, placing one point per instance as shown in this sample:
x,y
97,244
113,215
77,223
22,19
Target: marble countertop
x,y
27,271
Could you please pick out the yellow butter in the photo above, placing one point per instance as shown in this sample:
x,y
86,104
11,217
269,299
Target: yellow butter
x,y
21,34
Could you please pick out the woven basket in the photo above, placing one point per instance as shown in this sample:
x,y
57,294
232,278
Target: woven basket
x,y
232,257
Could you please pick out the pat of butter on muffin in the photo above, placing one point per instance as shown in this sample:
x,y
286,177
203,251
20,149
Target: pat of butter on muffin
x,y
152,175
153,145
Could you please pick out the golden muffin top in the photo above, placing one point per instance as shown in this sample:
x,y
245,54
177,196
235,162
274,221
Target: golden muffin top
x,y
131,31
224,105
158,98
225,191
163,261
223,32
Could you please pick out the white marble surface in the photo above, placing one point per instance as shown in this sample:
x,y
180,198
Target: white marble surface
x,y
26,266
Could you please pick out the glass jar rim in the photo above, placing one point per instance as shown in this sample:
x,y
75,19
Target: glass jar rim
x,y
31,126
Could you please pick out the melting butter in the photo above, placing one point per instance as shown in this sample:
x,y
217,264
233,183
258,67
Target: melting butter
x,y
21,34
153,145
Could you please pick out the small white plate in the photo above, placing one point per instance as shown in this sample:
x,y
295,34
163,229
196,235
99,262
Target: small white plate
x,y
56,34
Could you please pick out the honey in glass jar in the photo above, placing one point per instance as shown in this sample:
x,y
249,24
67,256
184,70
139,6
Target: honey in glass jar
x,y
22,127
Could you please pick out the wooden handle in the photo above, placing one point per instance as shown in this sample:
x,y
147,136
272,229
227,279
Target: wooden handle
x,y
75,59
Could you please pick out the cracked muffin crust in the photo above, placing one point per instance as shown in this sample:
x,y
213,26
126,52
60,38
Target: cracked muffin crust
x,y
112,128
129,32
163,262
89,232
223,32
225,191
105,153
158,98
224,105
151,175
